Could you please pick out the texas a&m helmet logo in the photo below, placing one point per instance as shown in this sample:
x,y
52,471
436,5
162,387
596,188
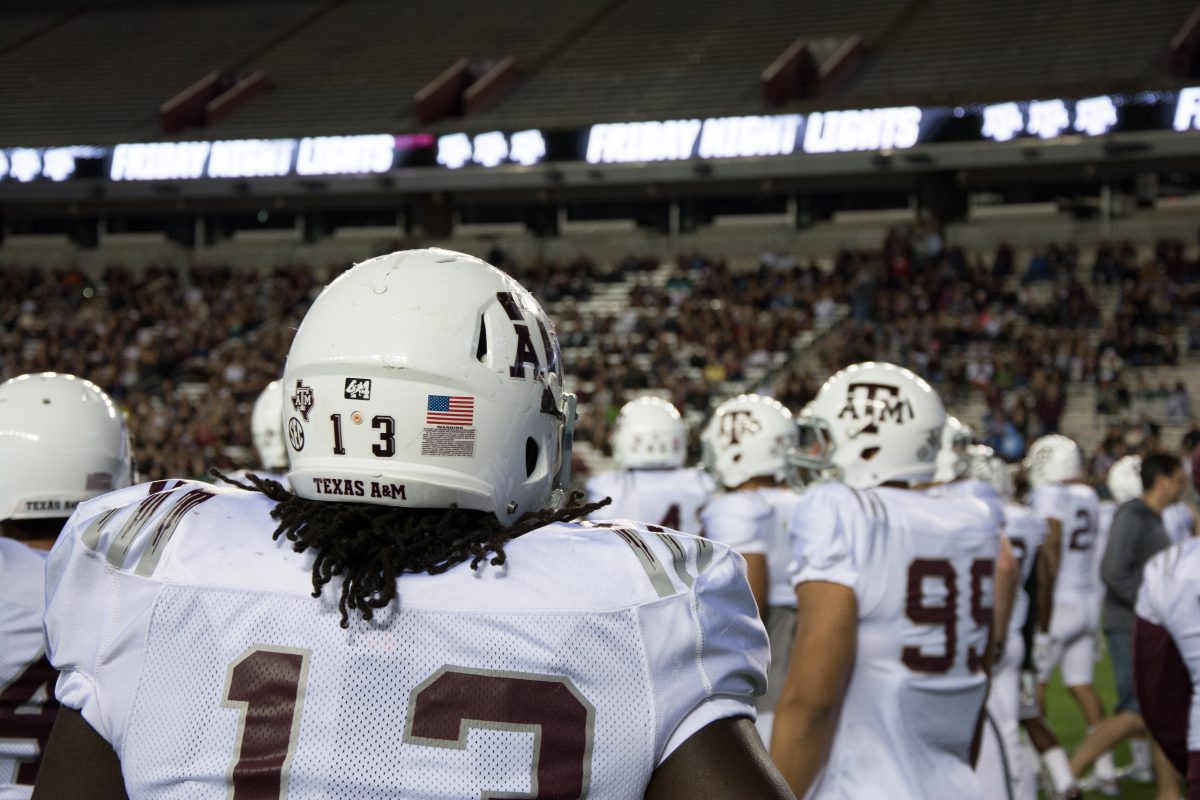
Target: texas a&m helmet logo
x,y
736,425
875,404
302,399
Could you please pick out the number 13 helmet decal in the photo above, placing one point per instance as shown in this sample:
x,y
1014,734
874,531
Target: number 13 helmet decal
x,y
62,441
878,423
466,404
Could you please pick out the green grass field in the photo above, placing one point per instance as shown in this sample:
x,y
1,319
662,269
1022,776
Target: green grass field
x,y
1064,715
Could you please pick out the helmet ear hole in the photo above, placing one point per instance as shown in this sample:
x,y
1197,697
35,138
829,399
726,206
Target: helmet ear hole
x,y
481,349
869,453
532,451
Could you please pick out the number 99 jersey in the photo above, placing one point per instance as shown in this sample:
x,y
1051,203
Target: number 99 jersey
x,y
190,641
921,567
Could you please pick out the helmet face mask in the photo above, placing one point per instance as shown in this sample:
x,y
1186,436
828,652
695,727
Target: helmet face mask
x,y
62,441
425,379
984,465
750,436
883,424
649,434
952,458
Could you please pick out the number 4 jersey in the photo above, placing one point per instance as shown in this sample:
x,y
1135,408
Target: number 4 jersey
x,y
669,497
921,568
191,642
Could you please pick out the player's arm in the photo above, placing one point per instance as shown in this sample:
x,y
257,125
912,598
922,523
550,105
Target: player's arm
x,y
1047,573
1004,594
78,763
756,574
807,715
725,759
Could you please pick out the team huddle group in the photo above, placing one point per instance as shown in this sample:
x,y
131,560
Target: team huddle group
x,y
852,601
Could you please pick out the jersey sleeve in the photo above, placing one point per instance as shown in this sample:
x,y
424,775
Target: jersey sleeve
x,y
1150,601
707,651
97,612
740,520
823,529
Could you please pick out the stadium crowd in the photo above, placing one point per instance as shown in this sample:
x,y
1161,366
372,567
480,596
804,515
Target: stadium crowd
x,y
966,323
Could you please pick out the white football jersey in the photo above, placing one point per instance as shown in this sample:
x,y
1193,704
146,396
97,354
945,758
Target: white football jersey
x,y
27,704
1026,531
672,498
1169,596
980,490
1179,523
189,639
1077,507
922,569
756,521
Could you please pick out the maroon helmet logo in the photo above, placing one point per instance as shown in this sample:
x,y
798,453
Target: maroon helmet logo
x,y
875,404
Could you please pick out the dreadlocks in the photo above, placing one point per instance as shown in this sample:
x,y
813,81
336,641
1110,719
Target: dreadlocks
x,y
369,546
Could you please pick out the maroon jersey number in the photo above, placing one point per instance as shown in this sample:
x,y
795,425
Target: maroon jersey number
x,y
443,709
944,613
27,709
266,684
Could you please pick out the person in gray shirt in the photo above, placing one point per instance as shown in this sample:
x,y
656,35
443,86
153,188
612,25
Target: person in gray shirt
x,y
1137,533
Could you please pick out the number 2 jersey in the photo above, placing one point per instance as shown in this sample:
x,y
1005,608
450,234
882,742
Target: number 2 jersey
x,y
669,497
921,567
1077,507
27,704
190,641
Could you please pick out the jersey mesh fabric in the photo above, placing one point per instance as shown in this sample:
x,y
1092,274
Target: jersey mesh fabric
x,y
652,630
1077,507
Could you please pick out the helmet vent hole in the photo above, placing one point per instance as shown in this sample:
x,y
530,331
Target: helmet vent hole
x,y
736,457
869,453
531,456
482,348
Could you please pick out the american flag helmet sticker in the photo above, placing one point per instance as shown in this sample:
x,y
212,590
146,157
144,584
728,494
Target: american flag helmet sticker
x,y
452,409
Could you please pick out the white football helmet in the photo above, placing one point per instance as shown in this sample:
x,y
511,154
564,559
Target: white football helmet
x,y
952,456
62,441
1124,479
649,434
266,427
425,379
984,465
749,436
882,423
1053,459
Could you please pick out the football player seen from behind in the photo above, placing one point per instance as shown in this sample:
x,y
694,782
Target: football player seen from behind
x,y
62,441
422,617
1054,465
1004,770
747,445
884,695
650,483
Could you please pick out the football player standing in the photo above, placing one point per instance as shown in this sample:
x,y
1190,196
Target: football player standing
x,y
894,604
747,445
62,441
421,617
651,483
1054,465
